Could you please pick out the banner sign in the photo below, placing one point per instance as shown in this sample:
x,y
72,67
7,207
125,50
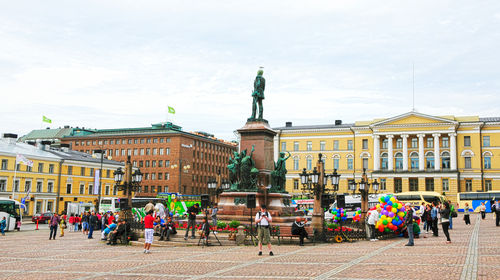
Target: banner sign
x,y
96,181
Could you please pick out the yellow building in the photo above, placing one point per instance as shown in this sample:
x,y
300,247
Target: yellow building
x,y
53,177
409,152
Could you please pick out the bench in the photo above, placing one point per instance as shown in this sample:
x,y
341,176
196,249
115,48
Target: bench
x,y
286,231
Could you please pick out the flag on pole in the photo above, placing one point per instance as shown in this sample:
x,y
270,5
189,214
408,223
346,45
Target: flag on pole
x,y
24,160
47,120
171,110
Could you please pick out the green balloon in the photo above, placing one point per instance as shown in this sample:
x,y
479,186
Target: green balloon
x,y
385,222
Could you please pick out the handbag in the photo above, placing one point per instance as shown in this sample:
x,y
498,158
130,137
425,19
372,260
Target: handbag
x,y
454,214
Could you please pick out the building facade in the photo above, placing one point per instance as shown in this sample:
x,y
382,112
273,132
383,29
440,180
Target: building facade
x,y
410,152
56,177
171,160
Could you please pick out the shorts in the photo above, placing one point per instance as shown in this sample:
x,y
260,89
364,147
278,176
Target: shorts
x,y
263,234
148,235
85,226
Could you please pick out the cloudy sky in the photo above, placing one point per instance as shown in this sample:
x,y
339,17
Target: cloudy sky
x,y
111,64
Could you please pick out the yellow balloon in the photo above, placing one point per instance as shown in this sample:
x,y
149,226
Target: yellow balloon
x,y
393,199
389,220
401,214
383,217
394,210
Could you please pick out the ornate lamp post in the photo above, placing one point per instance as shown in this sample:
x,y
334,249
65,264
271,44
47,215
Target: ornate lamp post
x,y
215,188
315,183
364,191
131,183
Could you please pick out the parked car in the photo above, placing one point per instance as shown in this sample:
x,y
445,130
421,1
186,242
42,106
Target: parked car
x,y
42,218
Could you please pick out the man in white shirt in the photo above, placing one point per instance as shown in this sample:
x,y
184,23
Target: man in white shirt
x,y
374,216
263,221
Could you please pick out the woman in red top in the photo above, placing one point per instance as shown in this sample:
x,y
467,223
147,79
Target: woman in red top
x,y
148,231
71,222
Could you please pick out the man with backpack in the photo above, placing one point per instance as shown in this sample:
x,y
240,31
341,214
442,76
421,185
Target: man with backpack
x,y
263,221
496,207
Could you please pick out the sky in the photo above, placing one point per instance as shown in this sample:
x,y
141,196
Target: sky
x,y
113,64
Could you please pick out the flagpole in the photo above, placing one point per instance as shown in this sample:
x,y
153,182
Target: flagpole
x,y
14,181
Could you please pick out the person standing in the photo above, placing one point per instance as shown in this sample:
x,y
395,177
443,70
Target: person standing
x,y
496,207
452,209
92,224
85,223
71,221
298,229
63,224
54,222
193,211
434,217
466,214
263,221
3,225
214,215
482,209
373,217
409,224
148,231
445,220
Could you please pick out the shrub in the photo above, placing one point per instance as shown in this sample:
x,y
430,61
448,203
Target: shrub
x,y
221,224
234,224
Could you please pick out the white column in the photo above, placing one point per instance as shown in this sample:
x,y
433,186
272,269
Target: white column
x,y
405,151
376,152
453,151
437,157
277,146
390,151
421,155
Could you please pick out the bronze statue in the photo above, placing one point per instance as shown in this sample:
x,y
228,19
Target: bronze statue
x,y
242,172
258,94
278,175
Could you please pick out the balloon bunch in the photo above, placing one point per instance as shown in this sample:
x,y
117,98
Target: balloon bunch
x,y
392,215
339,215
357,215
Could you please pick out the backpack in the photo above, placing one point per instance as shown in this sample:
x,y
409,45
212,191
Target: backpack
x,y
267,214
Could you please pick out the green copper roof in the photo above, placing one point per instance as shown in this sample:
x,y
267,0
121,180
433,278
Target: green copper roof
x,y
160,128
47,134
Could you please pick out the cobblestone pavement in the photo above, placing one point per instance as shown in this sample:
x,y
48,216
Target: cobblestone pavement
x,y
473,254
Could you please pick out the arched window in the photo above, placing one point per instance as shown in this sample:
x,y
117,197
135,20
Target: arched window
x,y
336,159
445,160
309,162
429,160
296,163
399,160
414,161
383,161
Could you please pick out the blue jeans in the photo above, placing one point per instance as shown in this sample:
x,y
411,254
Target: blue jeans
x,y
2,230
410,234
76,226
451,222
91,230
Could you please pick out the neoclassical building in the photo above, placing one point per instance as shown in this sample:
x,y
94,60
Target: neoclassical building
x,y
409,152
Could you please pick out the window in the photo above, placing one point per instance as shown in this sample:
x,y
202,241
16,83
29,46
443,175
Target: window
x,y
429,160
91,172
414,161
446,185
413,184
106,190
70,170
309,146
430,142
467,141
335,145
160,151
295,184
365,163
295,146
445,160
468,185
383,184
487,185
487,162
446,142
68,188
486,141
146,189
82,189
414,143
142,141
429,184
162,140
167,151
295,163
129,152
16,186
399,161
467,162
148,141
153,189
50,187
349,145
398,185
82,171
18,167
155,151
365,144
51,168
40,167
115,189
4,164
123,152
29,168
322,145
385,142
153,163
91,187
309,163
39,186
283,146
384,161
166,189
349,163
167,176
160,176
3,185
147,163
111,142
167,163
168,140
160,163
155,140
153,176
399,143
141,163
335,163
142,152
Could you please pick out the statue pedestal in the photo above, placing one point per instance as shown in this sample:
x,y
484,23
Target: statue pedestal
x,y
232,206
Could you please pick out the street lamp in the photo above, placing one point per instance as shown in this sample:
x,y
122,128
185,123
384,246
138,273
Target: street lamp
x,y
131,181
364,191
186,168
315,183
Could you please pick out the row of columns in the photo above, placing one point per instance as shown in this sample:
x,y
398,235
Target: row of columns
x,y
421,155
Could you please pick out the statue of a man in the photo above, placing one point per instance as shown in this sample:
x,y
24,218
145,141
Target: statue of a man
x,y
278,175
258,94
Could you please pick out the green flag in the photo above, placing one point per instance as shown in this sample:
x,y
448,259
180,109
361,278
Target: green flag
x,y
47,120
171,110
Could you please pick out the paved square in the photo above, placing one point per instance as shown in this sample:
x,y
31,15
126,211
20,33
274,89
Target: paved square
x,y
473,254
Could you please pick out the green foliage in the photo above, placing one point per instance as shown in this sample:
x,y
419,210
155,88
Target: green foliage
x,y
234,224
221,224
332,225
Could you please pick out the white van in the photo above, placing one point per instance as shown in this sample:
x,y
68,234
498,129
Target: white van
x,y
352,203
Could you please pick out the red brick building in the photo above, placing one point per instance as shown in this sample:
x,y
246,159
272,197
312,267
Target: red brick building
x,y
170,159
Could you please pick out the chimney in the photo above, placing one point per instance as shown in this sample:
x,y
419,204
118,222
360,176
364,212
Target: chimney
x,y
10,137
66,126
338,122
65,147
45,145
288,124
